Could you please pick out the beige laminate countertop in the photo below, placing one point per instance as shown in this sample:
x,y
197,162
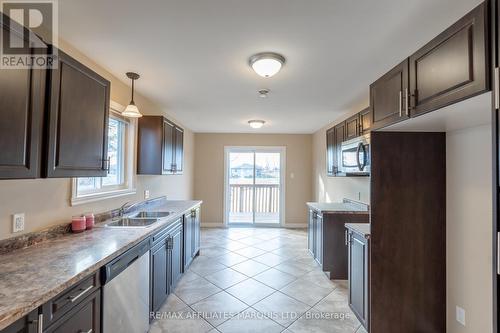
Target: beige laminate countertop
x,y
338,207
32,276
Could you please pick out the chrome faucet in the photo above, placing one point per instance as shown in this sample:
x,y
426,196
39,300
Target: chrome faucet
x,y
121,212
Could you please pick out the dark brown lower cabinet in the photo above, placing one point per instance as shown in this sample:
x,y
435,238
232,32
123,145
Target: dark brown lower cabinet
x,y
191,236
159,275
359,276
408,232
28,324
85,317
175,253
326,240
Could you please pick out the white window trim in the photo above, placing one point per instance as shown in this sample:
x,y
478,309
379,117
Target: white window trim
x,y
129,188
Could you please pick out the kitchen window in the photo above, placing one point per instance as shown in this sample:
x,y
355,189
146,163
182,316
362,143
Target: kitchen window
x,y
119,181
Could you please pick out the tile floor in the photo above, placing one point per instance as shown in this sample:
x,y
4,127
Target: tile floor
x,y
256,280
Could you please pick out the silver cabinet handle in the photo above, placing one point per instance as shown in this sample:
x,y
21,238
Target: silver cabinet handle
x,y
406,102
497,88
40,323
345,237
74,298
400,103
89,331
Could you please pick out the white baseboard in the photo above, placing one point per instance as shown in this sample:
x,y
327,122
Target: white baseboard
x,y
221,225
212,225
295,225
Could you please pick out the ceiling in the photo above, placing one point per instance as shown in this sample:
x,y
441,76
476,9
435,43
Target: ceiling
x,y
193,55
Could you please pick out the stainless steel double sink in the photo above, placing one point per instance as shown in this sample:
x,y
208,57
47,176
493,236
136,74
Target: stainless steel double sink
x,y
137,220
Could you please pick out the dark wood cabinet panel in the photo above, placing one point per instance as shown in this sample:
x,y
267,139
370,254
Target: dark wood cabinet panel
x,y
175,247
352,128
365,121
77,121
196,232
326,240
22,93
188,240
159,275
453,66
359,276
388,97
408,232
27,324
179,149
84,317
160,146
338,138
330,152
168,147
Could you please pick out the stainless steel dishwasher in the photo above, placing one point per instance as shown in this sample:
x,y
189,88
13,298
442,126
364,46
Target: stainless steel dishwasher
x,y
126,292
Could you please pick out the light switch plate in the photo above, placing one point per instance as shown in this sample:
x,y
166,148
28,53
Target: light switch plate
x,y
146,194
18,222
460,315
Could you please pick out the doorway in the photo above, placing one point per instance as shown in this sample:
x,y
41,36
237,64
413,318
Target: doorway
x,y
254,186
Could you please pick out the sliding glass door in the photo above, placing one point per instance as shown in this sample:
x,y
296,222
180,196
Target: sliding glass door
x,y
254,185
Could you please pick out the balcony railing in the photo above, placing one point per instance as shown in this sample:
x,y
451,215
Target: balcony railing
x,y
267,198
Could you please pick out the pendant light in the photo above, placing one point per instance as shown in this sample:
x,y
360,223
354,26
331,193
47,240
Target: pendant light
x,y
131,110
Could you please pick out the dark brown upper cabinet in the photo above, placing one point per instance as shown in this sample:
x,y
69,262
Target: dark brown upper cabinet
x,y
330,152
451,67
365,121
352,127
21,106
78,111
388,97
159,146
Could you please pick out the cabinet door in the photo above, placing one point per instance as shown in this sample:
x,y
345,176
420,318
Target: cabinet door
x,y
330,152
319,240
159,275
85,317
352,127
168,146
27,324
179,149
188,240
310,232
358,277
21,107
451,67
387,97
176,256
365,121
196,232
78,121
339,136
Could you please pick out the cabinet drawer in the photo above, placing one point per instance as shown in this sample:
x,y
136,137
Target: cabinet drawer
x,y
83,318
61,304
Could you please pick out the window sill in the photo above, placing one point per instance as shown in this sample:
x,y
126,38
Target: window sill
x,y
93,197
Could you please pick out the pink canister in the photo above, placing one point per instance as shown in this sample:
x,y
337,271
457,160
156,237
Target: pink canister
x,y
89,220
78,224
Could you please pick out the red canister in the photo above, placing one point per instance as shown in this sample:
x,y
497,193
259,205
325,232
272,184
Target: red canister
x,y
78,224
89,220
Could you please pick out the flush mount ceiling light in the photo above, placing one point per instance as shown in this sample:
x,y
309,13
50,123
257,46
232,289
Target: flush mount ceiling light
x,y
256,123
266,64
131,110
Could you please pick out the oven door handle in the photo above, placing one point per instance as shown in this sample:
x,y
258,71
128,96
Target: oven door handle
x,y
361,146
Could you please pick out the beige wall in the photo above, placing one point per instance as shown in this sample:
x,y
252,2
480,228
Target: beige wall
x,y
469,229
334,189
209,171
46,201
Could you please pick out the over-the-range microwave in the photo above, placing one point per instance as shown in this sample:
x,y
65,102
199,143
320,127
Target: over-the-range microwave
x,y
354,156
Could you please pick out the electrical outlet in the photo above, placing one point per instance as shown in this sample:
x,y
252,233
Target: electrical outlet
x,y
18,222
460,315
146,194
